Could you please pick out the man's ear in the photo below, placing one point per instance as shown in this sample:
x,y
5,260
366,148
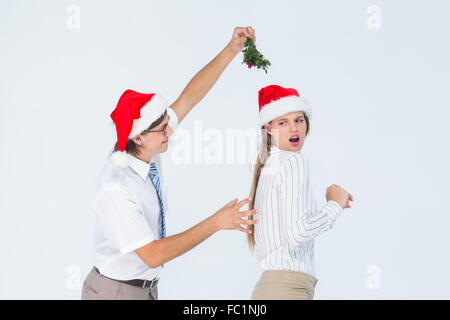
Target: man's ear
x,y
137,139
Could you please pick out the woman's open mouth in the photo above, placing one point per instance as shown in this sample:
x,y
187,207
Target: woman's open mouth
x,y
294,140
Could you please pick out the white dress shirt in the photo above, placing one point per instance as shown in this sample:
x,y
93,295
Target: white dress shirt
x,y
288,216
127,215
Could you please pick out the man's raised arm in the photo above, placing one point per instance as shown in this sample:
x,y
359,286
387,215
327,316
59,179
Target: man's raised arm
x,y
203,81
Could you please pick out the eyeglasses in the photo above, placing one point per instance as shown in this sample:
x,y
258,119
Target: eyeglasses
x,y
163,130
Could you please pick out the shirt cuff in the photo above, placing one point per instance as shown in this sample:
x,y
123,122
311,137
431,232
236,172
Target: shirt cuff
x,y
136,245
334,209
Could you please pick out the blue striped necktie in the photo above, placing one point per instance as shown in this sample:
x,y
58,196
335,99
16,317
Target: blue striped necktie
x,y
153,173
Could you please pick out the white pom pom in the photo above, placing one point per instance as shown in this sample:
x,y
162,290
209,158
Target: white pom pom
x,y
120,158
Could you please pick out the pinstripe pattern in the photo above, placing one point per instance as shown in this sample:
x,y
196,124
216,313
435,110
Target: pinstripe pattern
x,y
153,173
288,216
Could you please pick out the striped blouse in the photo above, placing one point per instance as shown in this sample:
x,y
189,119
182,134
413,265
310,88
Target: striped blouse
x,y
288,216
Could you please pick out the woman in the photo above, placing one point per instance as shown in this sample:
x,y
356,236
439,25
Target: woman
x,y
282,193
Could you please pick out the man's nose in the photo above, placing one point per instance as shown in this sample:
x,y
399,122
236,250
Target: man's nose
x,y
169,131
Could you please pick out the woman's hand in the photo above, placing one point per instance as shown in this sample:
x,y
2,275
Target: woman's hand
x,y
338,194
347,205
230,218
240,35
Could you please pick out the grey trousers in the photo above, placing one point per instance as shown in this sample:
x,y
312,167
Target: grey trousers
x,y
98,287
285,285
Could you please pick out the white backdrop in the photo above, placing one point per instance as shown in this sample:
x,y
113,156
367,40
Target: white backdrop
x,y
377,76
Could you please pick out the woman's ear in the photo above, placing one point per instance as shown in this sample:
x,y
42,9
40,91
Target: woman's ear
x,y
267,128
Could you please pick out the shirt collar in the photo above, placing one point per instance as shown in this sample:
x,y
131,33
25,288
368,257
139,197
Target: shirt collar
x,y
275,149
141,167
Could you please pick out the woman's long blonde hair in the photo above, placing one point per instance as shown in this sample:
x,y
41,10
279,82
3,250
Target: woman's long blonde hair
x,y
263,155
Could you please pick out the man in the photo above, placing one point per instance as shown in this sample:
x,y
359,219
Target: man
x,y
130,203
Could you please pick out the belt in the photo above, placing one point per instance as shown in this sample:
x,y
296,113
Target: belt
x,y
135,282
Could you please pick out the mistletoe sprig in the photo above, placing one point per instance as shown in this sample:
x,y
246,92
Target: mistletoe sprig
x,y
252,57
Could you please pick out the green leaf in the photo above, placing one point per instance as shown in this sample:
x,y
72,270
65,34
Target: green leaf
x,y
253,56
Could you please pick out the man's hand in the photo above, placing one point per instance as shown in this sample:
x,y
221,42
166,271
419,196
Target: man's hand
x,y
230,218
240,35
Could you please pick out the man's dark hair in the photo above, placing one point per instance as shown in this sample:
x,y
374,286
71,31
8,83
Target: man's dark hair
x,y
131,147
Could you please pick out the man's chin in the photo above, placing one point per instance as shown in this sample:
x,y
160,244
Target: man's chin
x,y
164,147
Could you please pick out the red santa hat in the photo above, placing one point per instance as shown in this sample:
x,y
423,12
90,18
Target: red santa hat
x,y
134,113
274,101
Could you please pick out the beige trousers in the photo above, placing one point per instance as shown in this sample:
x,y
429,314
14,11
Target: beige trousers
x,y
285,285
98,287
